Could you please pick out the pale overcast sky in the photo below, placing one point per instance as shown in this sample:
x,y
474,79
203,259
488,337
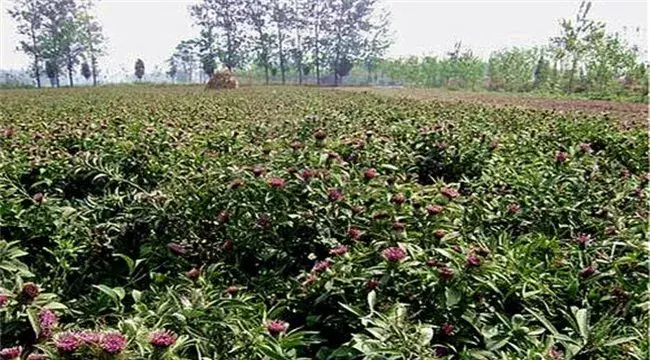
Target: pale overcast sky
x,y
150,29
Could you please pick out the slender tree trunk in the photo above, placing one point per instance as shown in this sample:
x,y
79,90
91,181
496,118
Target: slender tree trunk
x,y
266,71
37,61
93,64
574,65
280,40
69,66
317,55
299,59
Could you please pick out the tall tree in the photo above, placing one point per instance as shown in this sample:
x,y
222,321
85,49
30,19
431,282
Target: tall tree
x,y
52,72
55,38
85,70
575,39
185,54
91,37
281,17
350,20
227,18
28,16
258,14
318,16
376,42
139,69
71,45
173,68
206,43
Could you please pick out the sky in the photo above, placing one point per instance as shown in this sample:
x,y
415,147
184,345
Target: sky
x,y
150,29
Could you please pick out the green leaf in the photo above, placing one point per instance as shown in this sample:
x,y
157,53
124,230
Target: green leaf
x,y
452,297
372,298
582,319
129,262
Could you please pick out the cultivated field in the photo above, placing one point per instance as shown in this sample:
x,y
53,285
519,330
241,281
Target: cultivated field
x,y
302,223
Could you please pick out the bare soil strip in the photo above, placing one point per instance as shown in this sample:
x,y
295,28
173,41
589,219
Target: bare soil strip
x,y
629,115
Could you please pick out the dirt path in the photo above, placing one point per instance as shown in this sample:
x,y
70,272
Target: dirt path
x,y
628,114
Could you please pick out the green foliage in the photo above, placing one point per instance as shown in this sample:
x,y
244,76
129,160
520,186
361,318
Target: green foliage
x,y
139,69
247,223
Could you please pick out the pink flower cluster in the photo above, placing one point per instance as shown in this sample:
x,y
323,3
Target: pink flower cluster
x,y
11,353
393,254
47,322
162,338
111,342
276,327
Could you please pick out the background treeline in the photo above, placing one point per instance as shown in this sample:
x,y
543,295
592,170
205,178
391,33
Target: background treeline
x,y
305,39
61,37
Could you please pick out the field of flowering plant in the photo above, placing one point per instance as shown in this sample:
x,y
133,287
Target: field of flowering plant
x,y
173,223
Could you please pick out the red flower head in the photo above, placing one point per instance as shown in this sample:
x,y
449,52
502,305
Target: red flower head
x,y
393,254
457,248
193,274
354,233
339,250
232,290
227,245
8,133
177,249
162,338
276,327
434,209
561,157
264,222
587,272
29,292
237,183
47,321
335,195
448,329
3,300
276,182
38,198
321,266
473,261
258,171
610,230
432,263
555,353
309,280
399,226
439,234
446,273
372,284
11,353
223,216
113,342
307,174
320,135
67,342
295,145
357,209
585,147
625,173
398,199
450,192
34,356
583,239
514,208
370,174
379,215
